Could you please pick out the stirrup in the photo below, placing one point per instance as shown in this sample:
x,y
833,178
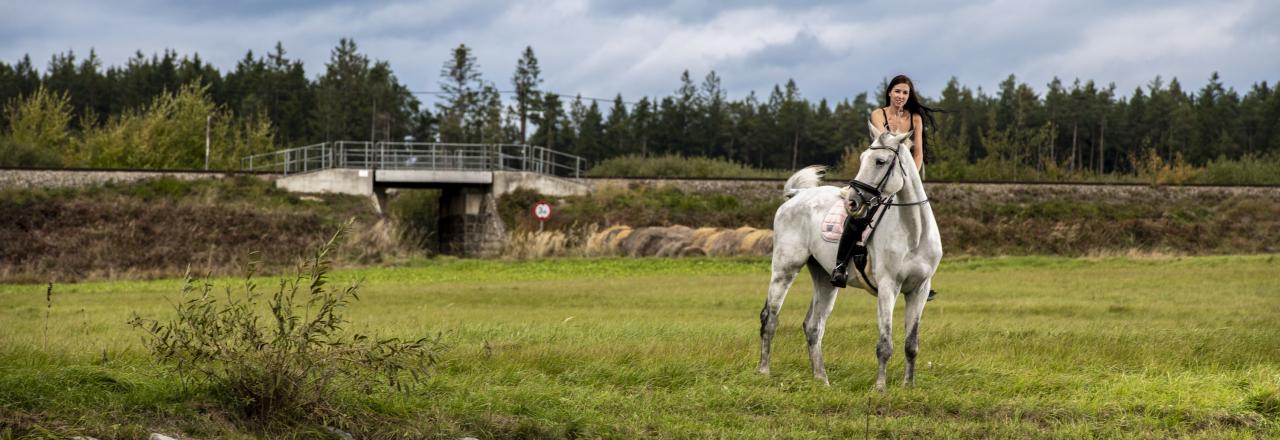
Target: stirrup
x,y
840,275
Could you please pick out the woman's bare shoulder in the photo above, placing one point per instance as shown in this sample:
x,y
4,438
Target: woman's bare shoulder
x,y
877,116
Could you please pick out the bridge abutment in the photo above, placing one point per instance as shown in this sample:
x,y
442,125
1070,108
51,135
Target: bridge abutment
x,y
469,224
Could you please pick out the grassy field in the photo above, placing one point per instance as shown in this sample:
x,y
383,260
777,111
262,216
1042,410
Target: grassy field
x,y
1023,347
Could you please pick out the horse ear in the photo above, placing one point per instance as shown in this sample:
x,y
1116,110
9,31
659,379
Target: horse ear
x,y
875,132
895,140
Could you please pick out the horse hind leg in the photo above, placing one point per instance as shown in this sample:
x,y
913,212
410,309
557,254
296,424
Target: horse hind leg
x,y
914,309
815,324
784,273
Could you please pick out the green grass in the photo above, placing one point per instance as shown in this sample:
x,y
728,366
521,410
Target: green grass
x,y
1014,347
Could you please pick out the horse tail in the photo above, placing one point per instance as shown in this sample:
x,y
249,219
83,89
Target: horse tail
x,y
809,177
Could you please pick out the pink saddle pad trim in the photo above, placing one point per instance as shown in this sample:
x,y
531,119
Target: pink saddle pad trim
x,y
833,223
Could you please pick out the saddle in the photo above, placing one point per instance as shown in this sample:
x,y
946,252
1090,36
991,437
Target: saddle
x,y
833,227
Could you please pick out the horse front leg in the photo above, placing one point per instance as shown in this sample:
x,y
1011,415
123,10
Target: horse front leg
x,y
815,324
915,308
888,293
783,275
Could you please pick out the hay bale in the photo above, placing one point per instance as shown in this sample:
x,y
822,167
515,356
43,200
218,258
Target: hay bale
x,y
700,236
648,241
680,241
726,242
754,243
692,251
670,249
607,242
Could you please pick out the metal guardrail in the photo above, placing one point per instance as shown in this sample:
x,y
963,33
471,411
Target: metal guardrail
x,y
417,156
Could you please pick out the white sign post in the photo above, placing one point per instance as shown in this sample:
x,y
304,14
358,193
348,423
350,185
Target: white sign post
x,y
542,212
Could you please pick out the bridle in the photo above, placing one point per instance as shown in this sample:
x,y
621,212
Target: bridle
x,y
877,192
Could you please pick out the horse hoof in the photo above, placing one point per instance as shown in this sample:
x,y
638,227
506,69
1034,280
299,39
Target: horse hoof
x,y
764,371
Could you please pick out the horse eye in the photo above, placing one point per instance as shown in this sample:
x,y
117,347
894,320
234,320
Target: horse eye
x,y
880,162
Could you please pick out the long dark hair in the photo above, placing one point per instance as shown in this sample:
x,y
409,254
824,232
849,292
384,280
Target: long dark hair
x,y
914,106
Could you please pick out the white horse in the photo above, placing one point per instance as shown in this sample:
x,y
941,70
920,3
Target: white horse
x,y
903,252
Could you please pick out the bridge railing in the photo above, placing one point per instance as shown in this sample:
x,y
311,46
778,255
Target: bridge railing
x,y
418,156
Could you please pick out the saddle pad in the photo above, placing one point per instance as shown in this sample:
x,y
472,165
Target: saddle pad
x,y
833,223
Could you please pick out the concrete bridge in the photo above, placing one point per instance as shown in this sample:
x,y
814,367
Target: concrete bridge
x,y
470,177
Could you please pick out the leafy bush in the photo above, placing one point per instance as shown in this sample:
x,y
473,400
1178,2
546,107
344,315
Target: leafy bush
x,y
170,133
37,134
17,154
678,166
288,364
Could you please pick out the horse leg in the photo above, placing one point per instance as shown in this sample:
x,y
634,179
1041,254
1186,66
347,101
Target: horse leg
x,y
915,308
888,293
815,324
783,274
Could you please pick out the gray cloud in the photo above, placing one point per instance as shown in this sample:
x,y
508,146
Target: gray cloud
x,y
833,50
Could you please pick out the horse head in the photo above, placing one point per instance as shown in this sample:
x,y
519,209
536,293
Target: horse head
x,y
877,180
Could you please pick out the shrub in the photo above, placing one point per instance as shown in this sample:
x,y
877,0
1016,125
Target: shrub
x,y
18,154
37,134
287,365
170,133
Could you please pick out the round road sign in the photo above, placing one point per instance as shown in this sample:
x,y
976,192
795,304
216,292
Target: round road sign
x,y
542,210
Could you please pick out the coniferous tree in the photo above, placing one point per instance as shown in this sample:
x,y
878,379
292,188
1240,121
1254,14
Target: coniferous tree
x,y
526,79
460,83
713,119
342,112
616,131
642,125
359,101
591,137
549,119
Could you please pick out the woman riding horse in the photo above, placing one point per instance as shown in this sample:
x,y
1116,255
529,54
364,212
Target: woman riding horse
x,y
902,113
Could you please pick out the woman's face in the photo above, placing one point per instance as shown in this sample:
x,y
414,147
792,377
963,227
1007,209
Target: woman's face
x,y
898,95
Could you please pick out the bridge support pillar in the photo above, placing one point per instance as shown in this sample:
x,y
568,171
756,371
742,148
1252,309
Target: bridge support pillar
x,y
469,222
380,200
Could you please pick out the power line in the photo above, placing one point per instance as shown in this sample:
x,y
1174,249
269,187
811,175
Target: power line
x,y
508,92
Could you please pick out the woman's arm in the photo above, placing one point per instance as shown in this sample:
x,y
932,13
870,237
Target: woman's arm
x,y
877,119
917,149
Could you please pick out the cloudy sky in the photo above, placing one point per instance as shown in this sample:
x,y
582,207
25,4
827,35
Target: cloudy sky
x,y
833,49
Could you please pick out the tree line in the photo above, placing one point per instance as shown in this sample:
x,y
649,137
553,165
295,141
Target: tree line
x,y
77,112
